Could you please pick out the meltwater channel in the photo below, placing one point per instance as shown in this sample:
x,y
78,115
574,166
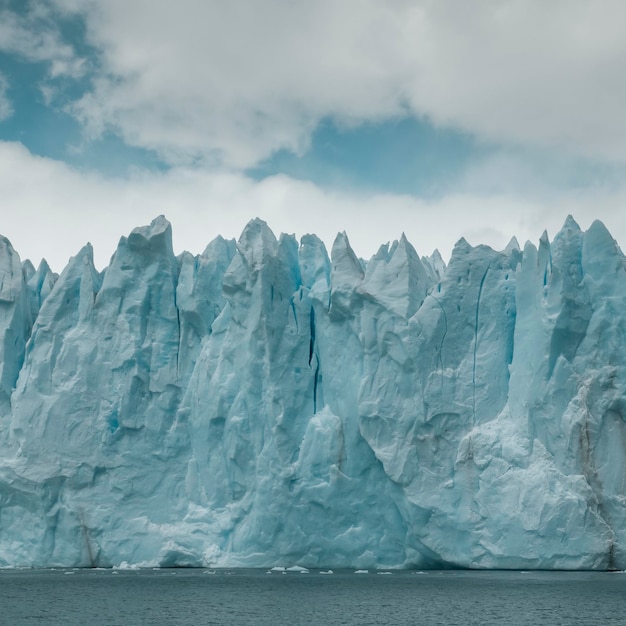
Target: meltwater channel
x,y
234,597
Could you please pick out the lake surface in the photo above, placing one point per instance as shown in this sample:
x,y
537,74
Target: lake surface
x,y
120,597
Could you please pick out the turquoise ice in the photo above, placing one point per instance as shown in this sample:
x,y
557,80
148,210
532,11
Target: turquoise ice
x,y
263,404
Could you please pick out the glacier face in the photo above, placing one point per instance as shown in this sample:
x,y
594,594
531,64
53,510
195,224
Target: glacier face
x,y
262,404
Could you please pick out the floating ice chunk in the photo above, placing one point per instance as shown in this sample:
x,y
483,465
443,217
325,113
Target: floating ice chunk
x,y
297,568
125,565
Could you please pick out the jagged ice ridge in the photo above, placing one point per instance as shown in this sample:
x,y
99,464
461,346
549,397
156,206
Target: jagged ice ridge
x,y
262,404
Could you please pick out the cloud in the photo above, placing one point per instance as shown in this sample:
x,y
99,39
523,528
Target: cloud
x,y
231,82
51,210
527,72
6,109
34,36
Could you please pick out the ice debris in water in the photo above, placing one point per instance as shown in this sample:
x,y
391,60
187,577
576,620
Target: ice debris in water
x,y
263,402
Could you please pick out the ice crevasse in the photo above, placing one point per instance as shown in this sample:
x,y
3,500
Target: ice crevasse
x,y
263,403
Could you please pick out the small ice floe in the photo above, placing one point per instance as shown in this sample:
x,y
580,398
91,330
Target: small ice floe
x,y
298,568
384,573
269,571
67,573
209,571
278,568
114,572
330,571
125,565
362,571
422,573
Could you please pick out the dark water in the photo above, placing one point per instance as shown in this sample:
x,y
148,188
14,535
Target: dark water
x,y
93,597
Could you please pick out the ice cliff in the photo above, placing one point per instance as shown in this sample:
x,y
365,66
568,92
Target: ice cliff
x,y
264,404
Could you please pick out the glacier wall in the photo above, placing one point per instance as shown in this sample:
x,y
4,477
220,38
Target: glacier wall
x,y
262,404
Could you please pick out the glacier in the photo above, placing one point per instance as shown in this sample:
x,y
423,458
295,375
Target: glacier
x,y
264,403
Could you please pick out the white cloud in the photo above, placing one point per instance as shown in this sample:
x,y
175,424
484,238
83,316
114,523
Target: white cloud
x,y
51,210
230,82
35,37
527,71
234,81
6,109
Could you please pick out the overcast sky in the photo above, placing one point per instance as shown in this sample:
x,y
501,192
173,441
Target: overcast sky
x,y
440,119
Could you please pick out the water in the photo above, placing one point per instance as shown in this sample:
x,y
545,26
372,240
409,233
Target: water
x,y
253,597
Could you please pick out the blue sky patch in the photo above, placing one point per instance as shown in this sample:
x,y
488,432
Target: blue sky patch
x,y
409,156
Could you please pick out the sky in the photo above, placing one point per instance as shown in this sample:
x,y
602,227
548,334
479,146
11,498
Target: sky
x,y
441,119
